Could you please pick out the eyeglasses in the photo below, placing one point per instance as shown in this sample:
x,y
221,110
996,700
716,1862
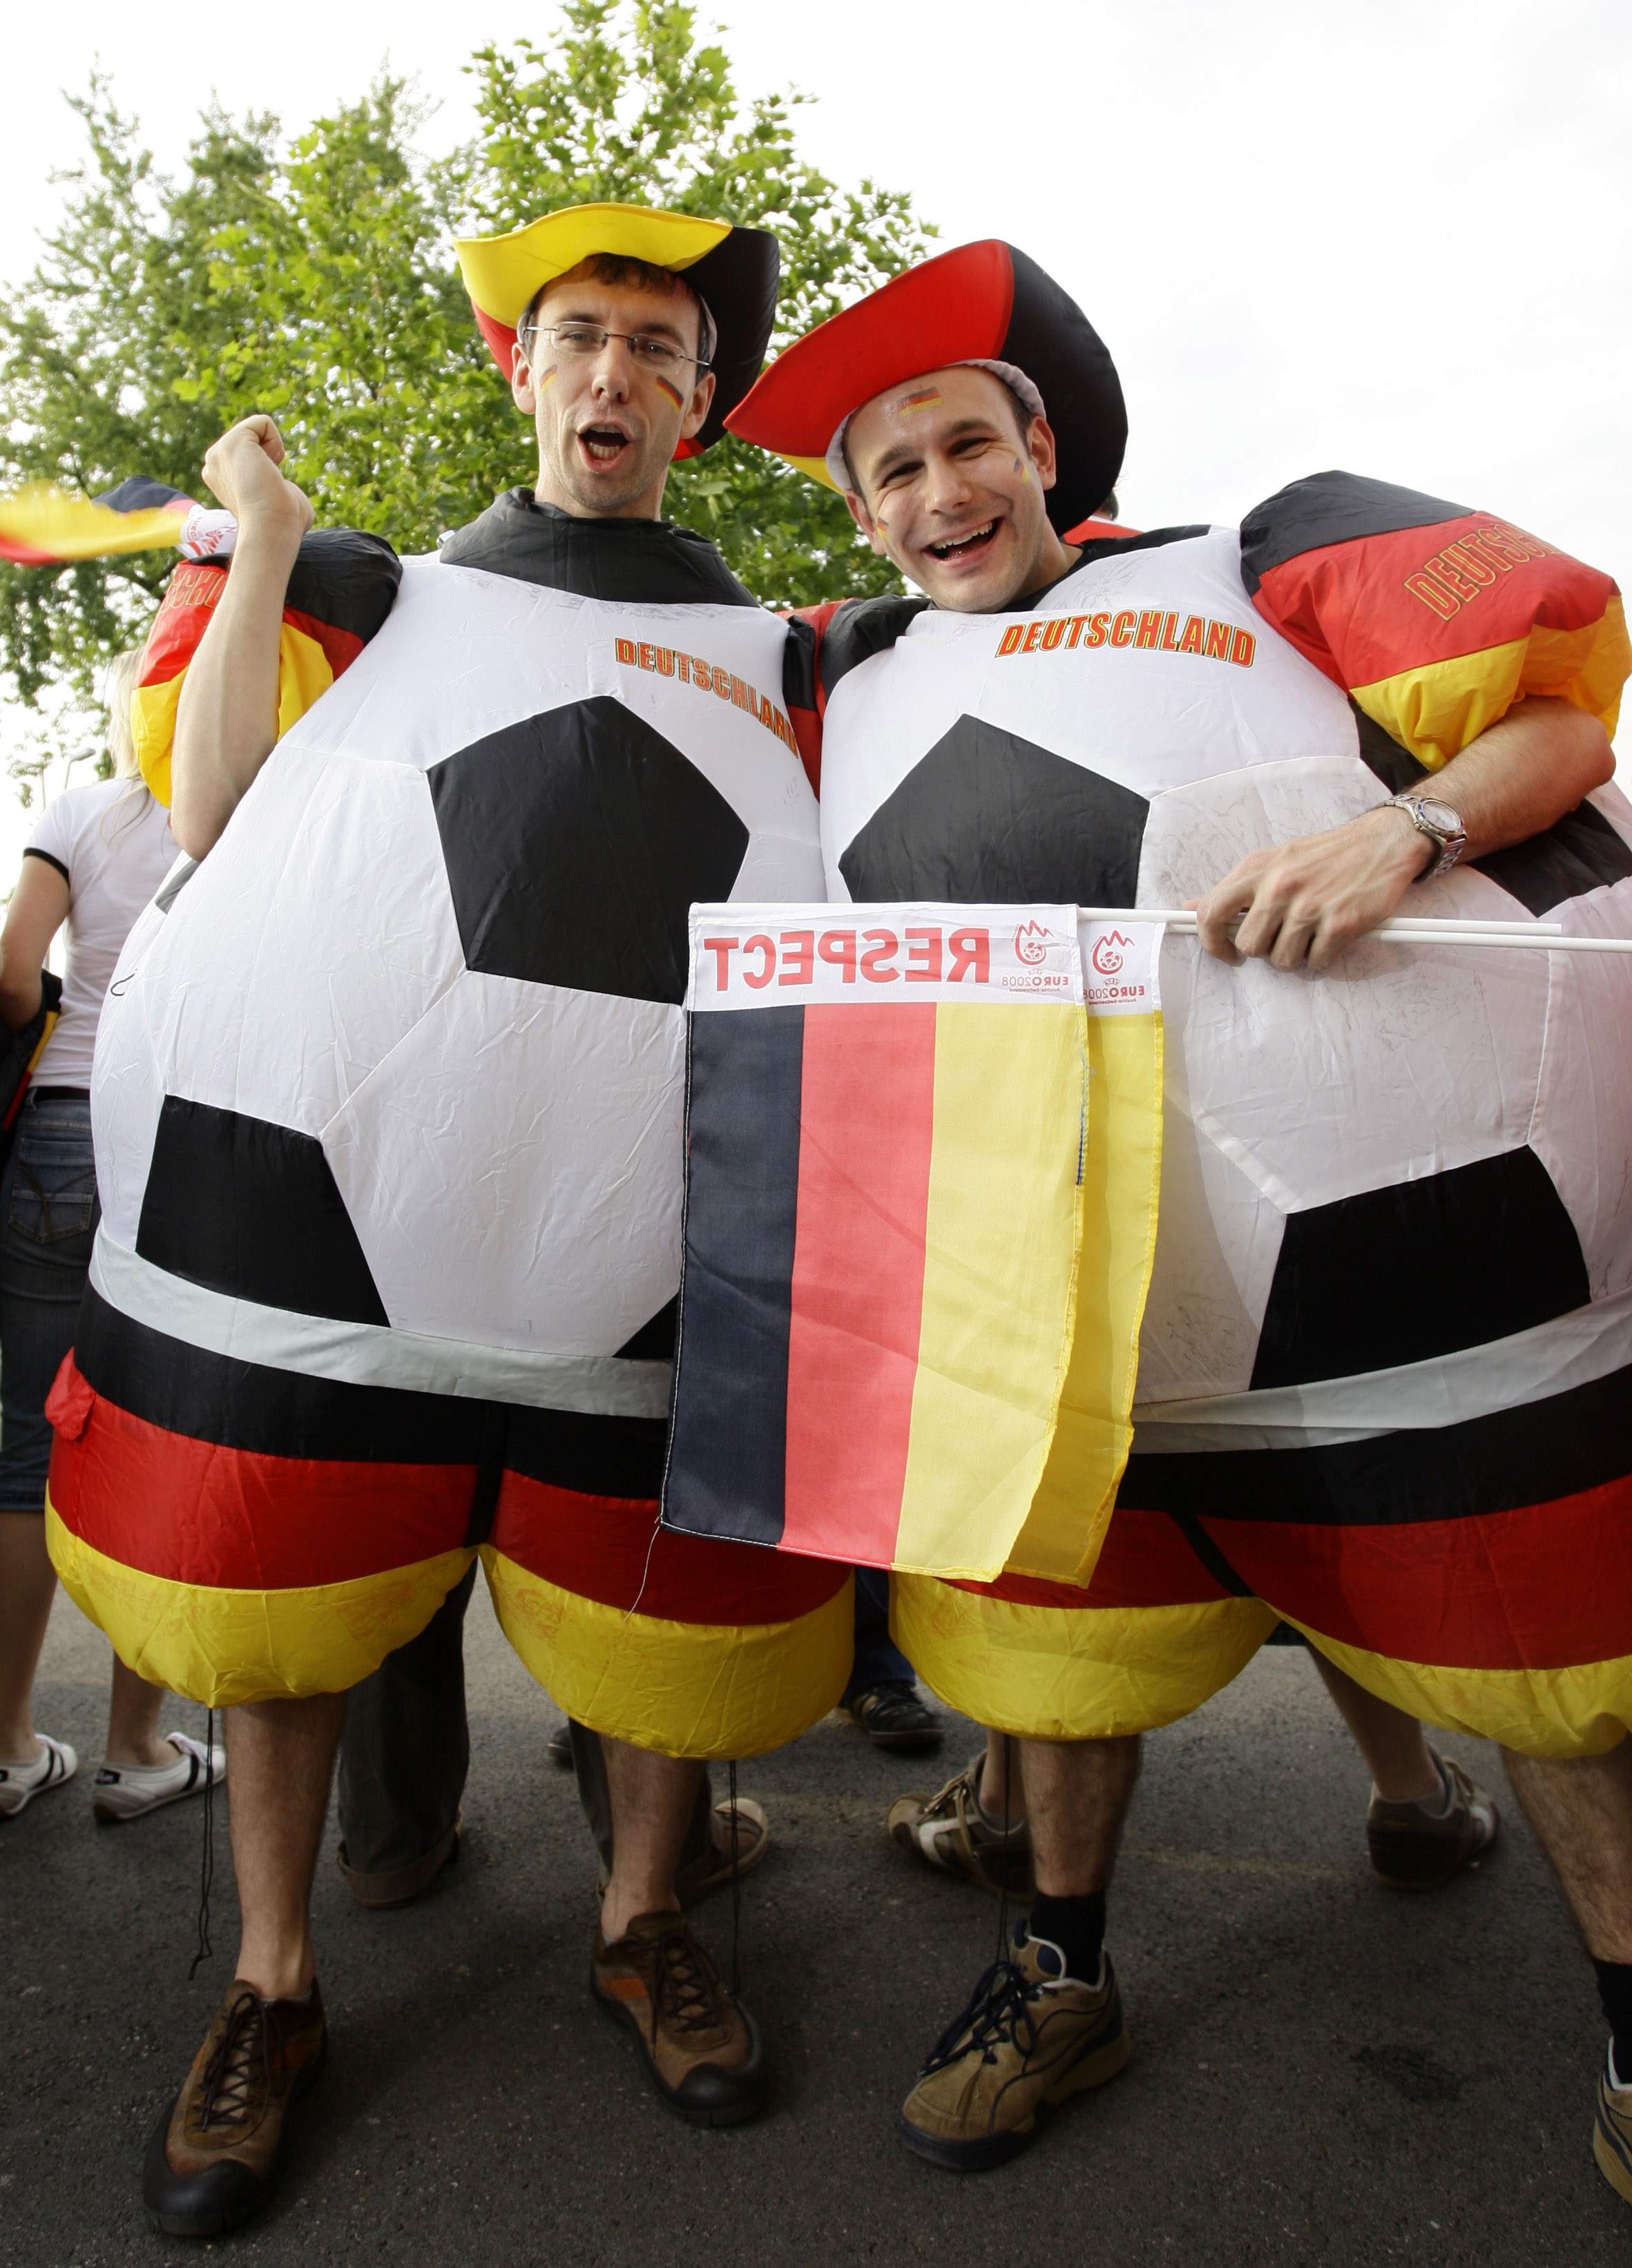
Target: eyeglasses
x,y
579,339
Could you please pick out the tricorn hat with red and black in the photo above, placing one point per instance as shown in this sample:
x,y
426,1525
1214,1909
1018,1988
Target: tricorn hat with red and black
x,y
985,304
732,270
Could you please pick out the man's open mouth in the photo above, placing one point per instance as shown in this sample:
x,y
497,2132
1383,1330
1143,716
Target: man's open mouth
x,y
964,547
602,444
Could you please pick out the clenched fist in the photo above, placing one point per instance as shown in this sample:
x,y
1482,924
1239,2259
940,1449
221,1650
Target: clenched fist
x,y
242,470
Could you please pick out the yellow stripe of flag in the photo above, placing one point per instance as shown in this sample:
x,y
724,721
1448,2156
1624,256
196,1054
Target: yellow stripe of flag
x,y
1122,1178
999,1278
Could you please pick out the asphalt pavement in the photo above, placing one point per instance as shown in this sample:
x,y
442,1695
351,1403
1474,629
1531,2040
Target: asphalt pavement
x,y
1325,2072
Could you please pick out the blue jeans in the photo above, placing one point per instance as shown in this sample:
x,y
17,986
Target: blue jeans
x,y
47,1221
878,1659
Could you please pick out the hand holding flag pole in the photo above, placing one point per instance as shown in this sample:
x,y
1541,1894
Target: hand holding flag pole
x,y
1402,929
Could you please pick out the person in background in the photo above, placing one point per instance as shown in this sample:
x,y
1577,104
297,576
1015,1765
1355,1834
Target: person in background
x,y
882,1697
94,859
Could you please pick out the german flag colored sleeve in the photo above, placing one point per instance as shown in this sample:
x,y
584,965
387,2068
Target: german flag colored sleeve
x,y
342,588
801,682
1435,618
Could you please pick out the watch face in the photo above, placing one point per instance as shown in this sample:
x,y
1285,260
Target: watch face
x,y
1440,816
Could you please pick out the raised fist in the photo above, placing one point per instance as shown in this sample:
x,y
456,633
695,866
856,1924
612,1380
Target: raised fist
x,y
242,470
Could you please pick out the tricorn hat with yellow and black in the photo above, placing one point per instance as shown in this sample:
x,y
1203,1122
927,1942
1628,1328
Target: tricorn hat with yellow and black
x,y
732,270
984,304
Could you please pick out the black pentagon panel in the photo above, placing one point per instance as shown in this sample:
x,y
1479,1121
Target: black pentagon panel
x,y
575,844
1401,1275
654,1341
1579,852
251,1209
1384,757
988,817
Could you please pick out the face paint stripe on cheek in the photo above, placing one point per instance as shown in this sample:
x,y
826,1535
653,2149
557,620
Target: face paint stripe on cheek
x,y
673,393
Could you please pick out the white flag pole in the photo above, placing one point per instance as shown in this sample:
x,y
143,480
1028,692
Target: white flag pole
x,y
1538,937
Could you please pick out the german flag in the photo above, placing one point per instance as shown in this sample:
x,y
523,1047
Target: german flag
x,y
245,1533
44,527
885,1123
1434,617
342,588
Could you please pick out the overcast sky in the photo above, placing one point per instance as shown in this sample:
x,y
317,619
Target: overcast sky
x,y
1392,235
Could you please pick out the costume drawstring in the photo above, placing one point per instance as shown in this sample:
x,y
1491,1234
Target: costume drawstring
x,y
207,1864
1009,1761
736,1886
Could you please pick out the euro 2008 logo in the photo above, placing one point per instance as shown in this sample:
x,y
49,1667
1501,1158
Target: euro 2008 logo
x,y
1110,950
1031,944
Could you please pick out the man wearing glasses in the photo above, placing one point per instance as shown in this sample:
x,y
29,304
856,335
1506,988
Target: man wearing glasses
x,y
465,887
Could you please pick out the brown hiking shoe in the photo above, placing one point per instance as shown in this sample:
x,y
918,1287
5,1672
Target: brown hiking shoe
x,y
216,2154
701,2047
1412,1850
950,1831
750,1830
1030,2037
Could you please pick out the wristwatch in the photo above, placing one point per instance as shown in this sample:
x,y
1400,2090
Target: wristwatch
x,y
1442,825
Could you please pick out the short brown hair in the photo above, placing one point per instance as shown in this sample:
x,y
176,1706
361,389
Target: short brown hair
x,y
621,267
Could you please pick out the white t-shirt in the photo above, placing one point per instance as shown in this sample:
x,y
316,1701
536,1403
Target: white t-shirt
x,y
112,844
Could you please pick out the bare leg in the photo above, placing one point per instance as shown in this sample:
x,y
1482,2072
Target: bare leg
x,y
27,1580
1002,1796
1077,1796
282,1759
1581,1808
133,1713
1402,1765
652,1798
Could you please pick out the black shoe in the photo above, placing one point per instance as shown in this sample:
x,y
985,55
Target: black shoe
x,y
895,1716
558,1748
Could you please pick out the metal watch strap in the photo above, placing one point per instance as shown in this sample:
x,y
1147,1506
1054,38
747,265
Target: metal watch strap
x,y
1449,843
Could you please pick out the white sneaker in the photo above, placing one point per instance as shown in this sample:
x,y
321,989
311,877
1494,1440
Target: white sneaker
x,y
55,1763
130,1791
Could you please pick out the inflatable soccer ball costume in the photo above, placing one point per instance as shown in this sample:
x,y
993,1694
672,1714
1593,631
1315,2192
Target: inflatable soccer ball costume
x,y
388,1105
1386,1367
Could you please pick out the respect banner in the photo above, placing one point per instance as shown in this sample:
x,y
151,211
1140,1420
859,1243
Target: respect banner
x,y
890,1166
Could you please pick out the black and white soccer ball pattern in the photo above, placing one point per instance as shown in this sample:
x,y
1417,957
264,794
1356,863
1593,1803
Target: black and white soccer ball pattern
x,y
1367,1174
406,1051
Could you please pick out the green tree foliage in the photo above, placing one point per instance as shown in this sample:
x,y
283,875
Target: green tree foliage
x,y
314,278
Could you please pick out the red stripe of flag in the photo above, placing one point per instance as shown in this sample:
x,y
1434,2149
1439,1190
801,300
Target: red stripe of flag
x,y
1540,1587
192,1511
341,648
866,1130
1146,1562
610,1548
182,620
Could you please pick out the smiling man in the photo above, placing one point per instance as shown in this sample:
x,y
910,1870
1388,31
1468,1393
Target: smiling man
x,y
388,1120
1384,1361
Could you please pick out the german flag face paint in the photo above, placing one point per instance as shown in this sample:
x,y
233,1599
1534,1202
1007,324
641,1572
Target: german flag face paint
x,y
673,391
732,270
945,493
984,304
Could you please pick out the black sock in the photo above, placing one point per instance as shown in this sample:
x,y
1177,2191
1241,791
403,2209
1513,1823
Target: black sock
x,y
1614,1992
1076,1926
